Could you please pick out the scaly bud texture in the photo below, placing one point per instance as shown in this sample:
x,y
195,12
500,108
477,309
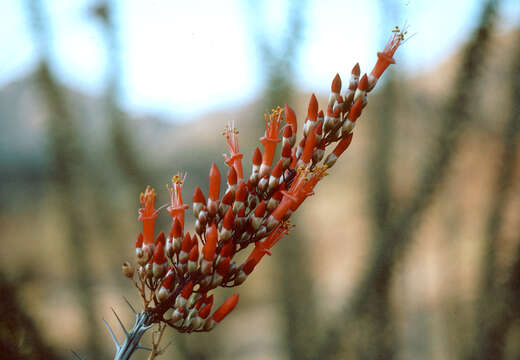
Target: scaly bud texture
x,y
175,274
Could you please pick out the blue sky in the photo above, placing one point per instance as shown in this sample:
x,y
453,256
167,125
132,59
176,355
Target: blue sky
x,y
184,58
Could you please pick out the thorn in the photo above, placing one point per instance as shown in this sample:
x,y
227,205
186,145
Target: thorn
x,y
130,305
76,355
120,322
164,348
114,338
144,348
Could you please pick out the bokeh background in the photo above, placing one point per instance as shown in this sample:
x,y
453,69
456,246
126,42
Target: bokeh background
x,y
410,248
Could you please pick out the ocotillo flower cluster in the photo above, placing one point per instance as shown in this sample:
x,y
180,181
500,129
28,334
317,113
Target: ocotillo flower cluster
x,y
177,271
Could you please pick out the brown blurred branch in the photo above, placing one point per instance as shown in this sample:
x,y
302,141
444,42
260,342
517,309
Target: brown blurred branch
x,y
373,291
122,143
295,282
19,337
67,160
499,304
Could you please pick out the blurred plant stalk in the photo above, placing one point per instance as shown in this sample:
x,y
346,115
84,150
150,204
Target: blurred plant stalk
x,y
67,161
373,291
498,305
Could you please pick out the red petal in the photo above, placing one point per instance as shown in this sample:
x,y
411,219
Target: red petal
x,y
176,228
312,111
160,239
194,253
257,157
225,308
198,196
158,256
232,176
187,290
277,171
186,243
241,193
211,243
291,118
139,241
204,312
363,83
260,209
168,281
356,110
228,249
355,70
229,219
336,84
223,267
343,145
214,182
228,198
287,131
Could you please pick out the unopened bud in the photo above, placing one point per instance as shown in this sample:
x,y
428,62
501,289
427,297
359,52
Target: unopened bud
x,y
198,227
128,270
240,278
262,184
330,160
209,324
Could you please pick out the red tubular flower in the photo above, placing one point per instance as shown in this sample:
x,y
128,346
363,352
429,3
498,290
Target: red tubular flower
x,y
342,145
185,247
228,250
199,201
182,298
262,249
287,136
363,83
227,202
225,308
214,189
177,208
312,115
235,160
187,290
386,57
209,249
147,214
355,111
167,286
159,261
310,143
286,156
232,178
349,92
240,197
160,239
352,116
139,241
335,89
204,312
193,259
256,162
270,139
331,159
227,226
290,117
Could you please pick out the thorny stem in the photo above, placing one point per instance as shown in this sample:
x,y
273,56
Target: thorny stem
x,y
132,338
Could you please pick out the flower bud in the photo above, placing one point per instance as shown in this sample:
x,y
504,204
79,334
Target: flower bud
x,y
128,270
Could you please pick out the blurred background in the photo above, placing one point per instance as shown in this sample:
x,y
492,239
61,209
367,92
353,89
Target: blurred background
x,y
410,248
